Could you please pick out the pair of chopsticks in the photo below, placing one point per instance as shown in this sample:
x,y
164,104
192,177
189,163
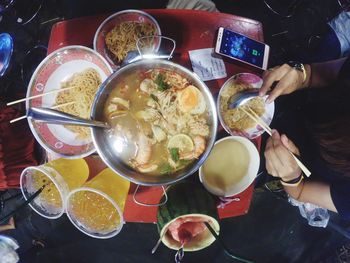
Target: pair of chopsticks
x,y
266,127
24,204
53,107
39,95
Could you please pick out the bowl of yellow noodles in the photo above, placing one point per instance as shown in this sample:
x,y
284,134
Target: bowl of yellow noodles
x,y
70,78
118,34
236,121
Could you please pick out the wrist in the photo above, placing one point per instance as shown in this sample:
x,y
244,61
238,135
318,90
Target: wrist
x,y
293,182
308,70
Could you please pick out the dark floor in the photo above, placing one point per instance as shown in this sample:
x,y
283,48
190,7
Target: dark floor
x,y
272,231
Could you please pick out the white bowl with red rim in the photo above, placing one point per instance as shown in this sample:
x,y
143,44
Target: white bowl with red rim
x,y
112,21
255,82
55,68
249,175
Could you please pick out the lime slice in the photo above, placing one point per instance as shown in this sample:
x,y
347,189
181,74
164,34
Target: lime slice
x,y
181,141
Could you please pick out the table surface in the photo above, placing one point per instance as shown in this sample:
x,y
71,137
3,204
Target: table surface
x,y
192,30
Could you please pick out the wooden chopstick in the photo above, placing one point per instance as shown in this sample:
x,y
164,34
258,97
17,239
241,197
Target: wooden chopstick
x,y
39,95
18,119
266,127
258,121
53,107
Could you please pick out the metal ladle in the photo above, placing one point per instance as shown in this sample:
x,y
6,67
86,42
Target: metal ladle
x,y
59,117
242,97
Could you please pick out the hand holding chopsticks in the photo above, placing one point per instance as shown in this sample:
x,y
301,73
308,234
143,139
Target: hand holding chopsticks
x,y
263,125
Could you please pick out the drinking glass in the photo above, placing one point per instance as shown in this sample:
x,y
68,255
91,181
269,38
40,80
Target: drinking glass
x,y
96,208
60,176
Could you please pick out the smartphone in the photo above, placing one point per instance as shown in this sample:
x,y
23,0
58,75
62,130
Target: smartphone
x,y
242,48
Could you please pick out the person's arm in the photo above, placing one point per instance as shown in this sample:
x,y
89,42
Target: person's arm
x,y
280,163
317,193
289,79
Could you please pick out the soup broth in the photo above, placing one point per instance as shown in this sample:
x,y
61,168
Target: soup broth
x,y
226,165
160,121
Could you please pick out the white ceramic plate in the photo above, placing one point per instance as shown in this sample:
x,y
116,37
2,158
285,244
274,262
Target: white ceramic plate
x,y
55,68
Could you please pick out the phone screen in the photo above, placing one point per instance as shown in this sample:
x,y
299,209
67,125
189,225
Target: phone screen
x,y
243,48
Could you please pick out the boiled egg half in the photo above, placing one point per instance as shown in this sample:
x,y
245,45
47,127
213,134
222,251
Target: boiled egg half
x,y
191,100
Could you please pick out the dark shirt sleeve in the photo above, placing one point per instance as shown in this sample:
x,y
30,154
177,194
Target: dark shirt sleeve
x,y
344,72
340,193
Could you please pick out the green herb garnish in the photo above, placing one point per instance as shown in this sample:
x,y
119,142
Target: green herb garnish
x,y
174,153
160,81
165,168
154,97
183,163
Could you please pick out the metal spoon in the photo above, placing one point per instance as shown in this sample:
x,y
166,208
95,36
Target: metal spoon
x,y
59,117
242,97
154,249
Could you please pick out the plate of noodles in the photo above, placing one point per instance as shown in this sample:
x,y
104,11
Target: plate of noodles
x,y
118,34
235,121
78,71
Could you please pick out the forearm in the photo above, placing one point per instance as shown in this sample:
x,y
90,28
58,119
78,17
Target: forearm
x,y
323,74
317,193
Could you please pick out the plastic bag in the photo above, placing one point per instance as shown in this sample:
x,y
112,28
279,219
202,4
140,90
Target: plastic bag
x,y
315,215
8,248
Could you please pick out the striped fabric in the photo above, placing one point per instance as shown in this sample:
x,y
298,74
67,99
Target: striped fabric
x,y
16,148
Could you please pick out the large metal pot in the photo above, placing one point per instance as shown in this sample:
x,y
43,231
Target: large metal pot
x,y
103,144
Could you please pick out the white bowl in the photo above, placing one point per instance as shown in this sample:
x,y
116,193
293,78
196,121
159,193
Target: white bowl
x,y
247,178
255,82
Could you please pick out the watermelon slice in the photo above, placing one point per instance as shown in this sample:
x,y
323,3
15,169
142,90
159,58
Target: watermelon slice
x,y
183,229
181,219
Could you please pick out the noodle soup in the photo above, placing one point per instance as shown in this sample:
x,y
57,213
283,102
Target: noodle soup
x,y
77,98
160,121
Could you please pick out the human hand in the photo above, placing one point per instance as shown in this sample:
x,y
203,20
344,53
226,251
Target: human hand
x,y
10,225
279,162
289,80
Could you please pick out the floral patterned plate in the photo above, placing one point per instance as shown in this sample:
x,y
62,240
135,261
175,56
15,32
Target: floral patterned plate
x,y
55,68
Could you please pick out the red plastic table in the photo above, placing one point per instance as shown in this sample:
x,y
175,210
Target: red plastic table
x,y
192,30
